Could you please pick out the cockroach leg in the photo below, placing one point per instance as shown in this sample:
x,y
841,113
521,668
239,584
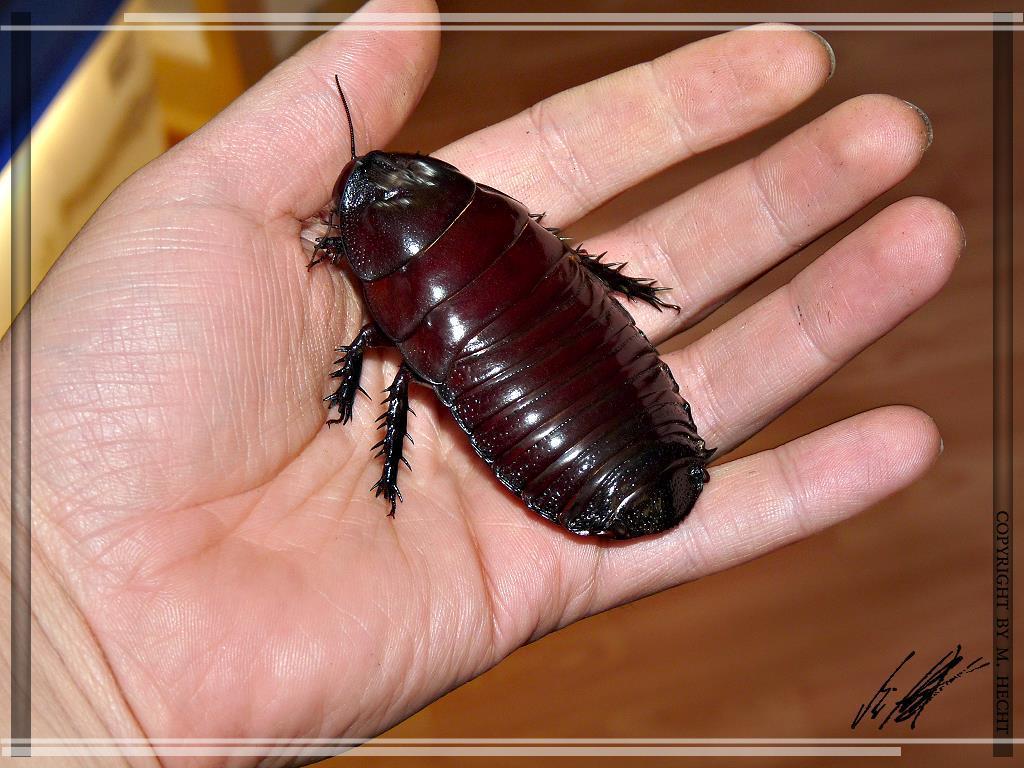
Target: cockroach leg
x,y
611,274
395,428
351,369
331,247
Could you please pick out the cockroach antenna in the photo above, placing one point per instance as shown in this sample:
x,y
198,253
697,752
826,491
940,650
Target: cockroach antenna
x,y
348,114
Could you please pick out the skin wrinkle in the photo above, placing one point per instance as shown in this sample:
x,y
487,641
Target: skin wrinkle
x,y
342,611
681,131
95,559
767,206
161,693
107,410
257,367
60,520
797,505
725,98
575,180
866,478
583,598
319,490
725,532
497,635
821,171
419,645
41,560
219,649
697,384
732,101
150,201
277,316
201,670
697,538
98,470
655,248
770,381
551,608
647,571
827,360
537,627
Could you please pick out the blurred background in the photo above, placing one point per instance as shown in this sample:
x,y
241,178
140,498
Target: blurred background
x,y
789,645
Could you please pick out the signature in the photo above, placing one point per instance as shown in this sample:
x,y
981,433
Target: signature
x,y
912,703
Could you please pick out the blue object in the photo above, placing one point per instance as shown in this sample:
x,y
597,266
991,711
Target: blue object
x,y
53,55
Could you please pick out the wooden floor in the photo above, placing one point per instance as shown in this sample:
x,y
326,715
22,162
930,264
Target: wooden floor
x,y
789,645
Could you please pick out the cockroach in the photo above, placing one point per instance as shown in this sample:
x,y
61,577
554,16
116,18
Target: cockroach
x,y
517,333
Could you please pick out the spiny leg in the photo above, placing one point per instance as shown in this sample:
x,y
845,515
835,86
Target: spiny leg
x,y
331,247
350,371
395,428
612,276
539,217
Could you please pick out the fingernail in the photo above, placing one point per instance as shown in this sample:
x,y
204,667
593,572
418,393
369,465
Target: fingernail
x,y
942,445
929,135
831,53
963,235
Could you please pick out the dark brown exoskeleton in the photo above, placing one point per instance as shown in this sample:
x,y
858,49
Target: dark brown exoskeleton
x,y
558,390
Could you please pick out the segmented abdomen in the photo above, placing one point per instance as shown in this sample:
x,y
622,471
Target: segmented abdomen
x,y
558,390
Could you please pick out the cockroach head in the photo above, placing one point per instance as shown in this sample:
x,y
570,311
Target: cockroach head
x,y
390,206
395,180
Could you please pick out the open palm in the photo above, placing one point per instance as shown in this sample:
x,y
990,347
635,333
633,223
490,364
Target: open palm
x,y
226,549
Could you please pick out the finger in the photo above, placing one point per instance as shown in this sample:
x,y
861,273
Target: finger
x,y
580,147
765,501
281,145
711,241
745,373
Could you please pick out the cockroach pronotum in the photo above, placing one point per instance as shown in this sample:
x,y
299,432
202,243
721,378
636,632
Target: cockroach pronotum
x,y
516,332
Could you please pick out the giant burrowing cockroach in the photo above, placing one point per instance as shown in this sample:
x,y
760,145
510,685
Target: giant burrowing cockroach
x,y
558,390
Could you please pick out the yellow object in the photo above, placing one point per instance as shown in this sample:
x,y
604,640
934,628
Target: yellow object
x,y
131,96
197,72
102,126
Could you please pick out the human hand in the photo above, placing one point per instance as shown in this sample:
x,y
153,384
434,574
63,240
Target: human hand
x,y
225,549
